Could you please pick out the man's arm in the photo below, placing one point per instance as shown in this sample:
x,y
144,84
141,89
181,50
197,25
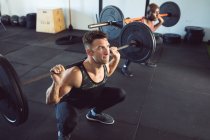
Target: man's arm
x,y
114,61
55,93
160,22
52,94
62,84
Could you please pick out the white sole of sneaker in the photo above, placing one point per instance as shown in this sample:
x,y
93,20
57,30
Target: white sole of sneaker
x,y
91,119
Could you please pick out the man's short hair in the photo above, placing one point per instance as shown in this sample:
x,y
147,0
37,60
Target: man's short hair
x,y
90,36
152,7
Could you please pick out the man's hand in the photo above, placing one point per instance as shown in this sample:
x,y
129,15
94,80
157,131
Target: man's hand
x,y
160,19
115,53
115,61
57,74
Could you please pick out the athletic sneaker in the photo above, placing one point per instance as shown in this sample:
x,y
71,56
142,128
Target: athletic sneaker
x,y
61,137
126,72
102,118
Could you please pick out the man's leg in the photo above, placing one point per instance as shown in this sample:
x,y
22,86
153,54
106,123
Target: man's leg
x,y
66,117
109,97
124,69
149,62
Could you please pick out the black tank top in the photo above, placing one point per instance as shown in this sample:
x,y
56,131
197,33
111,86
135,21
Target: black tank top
x,y
87,86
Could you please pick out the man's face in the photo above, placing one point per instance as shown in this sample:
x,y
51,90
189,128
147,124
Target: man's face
x,y
154,15
101,52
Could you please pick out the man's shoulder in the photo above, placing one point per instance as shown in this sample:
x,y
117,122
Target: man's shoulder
x,y
73,71
73,76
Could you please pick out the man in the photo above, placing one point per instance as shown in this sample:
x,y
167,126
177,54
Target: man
x,y
83,85
151,16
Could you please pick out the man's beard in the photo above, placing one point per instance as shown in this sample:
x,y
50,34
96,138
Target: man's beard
x,y
152,18
100,61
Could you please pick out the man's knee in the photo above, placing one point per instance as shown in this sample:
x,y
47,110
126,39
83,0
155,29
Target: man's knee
x,y
121,94
159,40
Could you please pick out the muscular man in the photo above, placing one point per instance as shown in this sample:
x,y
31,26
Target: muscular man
x,y
83,85
151,16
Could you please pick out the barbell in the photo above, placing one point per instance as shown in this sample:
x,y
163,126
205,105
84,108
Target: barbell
x,y
127,21
112,15
13,103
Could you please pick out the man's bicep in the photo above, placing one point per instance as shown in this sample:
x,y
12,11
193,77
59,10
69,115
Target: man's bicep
x,y
66,84
111,68
73,78
65,89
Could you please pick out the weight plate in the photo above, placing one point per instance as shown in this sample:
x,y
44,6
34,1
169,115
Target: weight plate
x,y
14,106
173,10
111,13
146,43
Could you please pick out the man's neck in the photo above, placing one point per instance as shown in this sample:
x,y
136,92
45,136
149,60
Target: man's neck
x,y
92,66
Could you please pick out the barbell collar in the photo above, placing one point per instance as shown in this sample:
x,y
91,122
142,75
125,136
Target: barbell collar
x,y
123,47
118,24
98,25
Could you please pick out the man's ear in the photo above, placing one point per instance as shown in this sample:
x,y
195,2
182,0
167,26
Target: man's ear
x,y
89,52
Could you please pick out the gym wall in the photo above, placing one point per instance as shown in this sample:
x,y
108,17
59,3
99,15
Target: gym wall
x,y
193,13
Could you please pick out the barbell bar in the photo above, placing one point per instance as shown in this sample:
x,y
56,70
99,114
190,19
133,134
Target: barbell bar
x,y
120,23
129,20
113,17
139,18
165,15
101,24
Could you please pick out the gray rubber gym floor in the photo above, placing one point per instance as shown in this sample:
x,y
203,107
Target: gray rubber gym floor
x,y
170,102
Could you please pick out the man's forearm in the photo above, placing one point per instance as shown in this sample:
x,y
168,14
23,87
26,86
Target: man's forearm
x,y
113,64
159,23
52,94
